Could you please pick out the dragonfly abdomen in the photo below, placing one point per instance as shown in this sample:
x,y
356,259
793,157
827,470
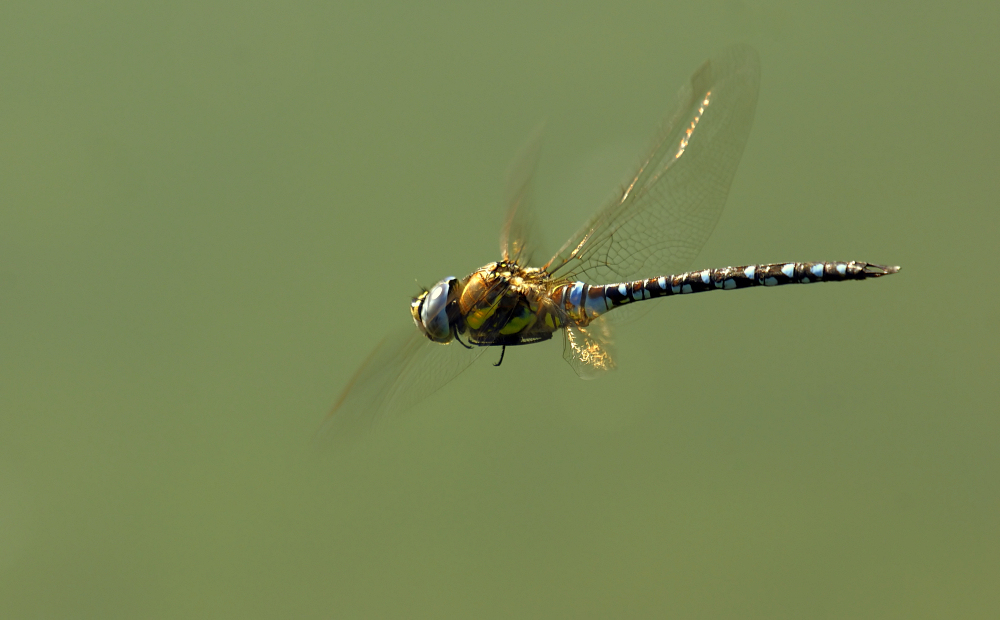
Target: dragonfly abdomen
x,y
588,302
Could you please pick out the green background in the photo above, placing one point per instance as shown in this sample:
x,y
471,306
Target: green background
x,y
210,212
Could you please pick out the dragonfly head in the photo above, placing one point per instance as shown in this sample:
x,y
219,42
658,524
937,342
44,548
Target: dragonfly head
x,y
430,310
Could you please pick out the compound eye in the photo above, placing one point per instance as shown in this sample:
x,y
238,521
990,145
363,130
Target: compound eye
x,y
434,311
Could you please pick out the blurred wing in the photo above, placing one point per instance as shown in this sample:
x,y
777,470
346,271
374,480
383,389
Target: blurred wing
x,y
588,349
404,369
518,238
667,212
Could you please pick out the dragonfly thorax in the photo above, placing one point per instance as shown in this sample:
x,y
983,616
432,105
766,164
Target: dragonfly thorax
x,y
505,304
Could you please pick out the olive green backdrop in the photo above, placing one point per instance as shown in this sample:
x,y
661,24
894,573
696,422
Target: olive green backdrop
x,y
211,212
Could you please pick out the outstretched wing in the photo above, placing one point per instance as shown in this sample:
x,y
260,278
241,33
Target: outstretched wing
x,y
403,369
665,215
519,237
588,349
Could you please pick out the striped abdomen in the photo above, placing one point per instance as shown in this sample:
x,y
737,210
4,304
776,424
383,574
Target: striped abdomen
x,y
584,302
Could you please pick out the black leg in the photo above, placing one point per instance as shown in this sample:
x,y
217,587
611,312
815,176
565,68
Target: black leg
x,y
503,349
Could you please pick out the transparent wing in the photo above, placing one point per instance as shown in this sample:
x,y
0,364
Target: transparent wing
x,y
588,349
667,212
403,369
519,237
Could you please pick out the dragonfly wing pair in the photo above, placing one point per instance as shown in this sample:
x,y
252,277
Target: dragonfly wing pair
x,y
666,213
404,369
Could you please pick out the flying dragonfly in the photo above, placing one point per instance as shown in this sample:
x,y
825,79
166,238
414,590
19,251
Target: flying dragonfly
x,y
633,250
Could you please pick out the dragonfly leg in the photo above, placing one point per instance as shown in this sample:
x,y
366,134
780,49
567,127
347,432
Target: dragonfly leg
x,y
460,341
503,349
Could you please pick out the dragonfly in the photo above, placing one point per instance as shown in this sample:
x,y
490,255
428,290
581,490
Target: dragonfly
x,y
633,250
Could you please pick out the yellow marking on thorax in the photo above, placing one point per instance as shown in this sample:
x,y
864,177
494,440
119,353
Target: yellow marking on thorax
x,y
476,318
521,322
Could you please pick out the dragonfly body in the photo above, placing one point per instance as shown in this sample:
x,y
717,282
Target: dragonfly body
x,y
619,258
504,304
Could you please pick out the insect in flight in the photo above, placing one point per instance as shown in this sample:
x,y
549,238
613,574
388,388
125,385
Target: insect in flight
x,y
624,255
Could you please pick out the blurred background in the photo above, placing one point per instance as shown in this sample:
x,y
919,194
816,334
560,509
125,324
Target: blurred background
x,y
210,212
